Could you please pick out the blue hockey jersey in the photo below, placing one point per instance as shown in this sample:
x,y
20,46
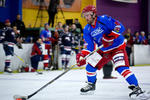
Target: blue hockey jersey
x,y
45,35
105,28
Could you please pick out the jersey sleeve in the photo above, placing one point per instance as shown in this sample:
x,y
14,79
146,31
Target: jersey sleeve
x,y
114,38
114,26
36,50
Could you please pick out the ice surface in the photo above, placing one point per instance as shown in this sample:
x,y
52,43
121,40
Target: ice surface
x,y
68,86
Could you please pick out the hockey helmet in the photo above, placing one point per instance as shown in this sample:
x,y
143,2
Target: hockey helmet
x,y
89,8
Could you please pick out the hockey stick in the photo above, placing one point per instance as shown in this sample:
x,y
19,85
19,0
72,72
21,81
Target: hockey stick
x,y
19,58
18,97
27,65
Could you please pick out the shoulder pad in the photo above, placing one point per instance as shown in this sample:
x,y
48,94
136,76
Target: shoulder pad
x,y
103,18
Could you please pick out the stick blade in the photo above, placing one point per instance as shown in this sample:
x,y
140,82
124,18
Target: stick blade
x,y
18,97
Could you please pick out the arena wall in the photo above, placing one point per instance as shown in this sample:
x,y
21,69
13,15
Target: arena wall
x,y
141,56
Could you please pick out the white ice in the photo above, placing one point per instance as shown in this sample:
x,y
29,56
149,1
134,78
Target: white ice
x,y
68,86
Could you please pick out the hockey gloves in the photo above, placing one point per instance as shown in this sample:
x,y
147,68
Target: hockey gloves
x,y
80,59
108,39
19,45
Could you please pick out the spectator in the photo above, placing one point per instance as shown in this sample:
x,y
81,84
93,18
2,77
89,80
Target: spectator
x,y
46,37
149,38
52,11
29,39
59,28
19,24
136,38
66,42
1,25
143,38
78,25
17,32
129,42
54,60
55,48
77,38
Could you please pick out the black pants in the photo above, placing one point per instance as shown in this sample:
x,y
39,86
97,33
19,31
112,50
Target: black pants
x,y
107,69
129,51
35,61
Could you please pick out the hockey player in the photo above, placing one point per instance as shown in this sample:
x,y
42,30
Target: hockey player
x,y
9,39
106,31
36,54
66,42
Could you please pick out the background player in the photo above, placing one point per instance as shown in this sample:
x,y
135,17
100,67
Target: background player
x,y
46,35
9,38
66,43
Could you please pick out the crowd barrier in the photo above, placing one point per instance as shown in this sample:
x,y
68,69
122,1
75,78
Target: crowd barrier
x,y
25,55
140,56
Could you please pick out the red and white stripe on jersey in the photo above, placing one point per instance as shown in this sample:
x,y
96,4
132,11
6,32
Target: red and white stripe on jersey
x,y
117,47
114,34
107,40
68,48
126,73
91,73
11,44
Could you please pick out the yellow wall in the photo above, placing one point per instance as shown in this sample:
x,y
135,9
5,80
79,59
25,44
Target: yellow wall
x,y
30,15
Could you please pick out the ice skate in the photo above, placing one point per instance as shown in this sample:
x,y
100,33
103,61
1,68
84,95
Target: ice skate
x,y
138,94
88,89
46,68
39,73
21,69
8,70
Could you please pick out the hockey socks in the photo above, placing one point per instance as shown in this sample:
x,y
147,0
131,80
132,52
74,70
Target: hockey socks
x,y
128,75
8,61
91,77
91,73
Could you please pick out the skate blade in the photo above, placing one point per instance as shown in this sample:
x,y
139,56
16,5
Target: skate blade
x,y
145,96
87,93
39,73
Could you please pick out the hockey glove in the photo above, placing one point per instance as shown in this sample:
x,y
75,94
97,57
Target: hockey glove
x,y
19,45
80,59
106,41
